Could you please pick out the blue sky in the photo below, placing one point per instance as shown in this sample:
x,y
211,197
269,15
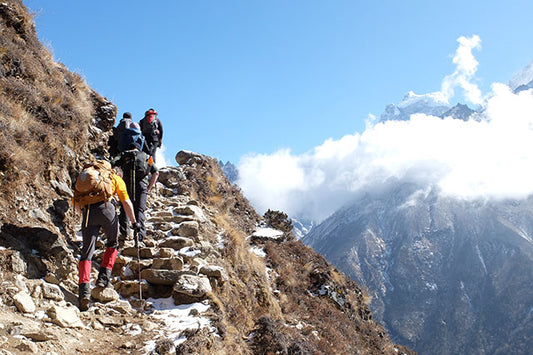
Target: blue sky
x,y
230,78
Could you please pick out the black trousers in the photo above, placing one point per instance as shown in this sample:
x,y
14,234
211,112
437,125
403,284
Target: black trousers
x,y
138,199
151,148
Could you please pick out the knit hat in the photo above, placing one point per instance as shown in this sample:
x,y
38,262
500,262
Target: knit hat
x,y
126,115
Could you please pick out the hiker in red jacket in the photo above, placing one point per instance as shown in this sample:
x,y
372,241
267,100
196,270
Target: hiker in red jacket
x,y
152,130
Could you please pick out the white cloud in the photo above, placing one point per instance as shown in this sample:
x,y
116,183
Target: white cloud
x,y
466,67
489,157
160,158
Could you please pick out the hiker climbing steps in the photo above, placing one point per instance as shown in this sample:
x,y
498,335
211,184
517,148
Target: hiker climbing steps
x,y
174,259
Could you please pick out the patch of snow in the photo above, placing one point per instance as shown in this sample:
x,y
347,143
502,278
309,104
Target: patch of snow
x,y
258,251
220,242
515,229
177,319
265,232
188,251
128,272
523,77
432,286
481,258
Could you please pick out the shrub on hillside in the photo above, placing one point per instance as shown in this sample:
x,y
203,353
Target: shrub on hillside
x,y
280,221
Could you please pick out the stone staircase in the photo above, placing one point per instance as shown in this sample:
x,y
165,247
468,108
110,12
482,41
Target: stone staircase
x,y
176,261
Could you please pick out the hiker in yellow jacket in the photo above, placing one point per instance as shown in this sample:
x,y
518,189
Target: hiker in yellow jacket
x,y
99,215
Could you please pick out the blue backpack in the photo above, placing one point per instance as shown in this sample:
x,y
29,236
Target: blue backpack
x,y
129,134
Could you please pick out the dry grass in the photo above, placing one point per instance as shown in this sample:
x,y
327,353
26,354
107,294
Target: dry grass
x,y
284,312
45,111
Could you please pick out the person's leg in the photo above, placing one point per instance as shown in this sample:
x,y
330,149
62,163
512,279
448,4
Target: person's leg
x,y
89,233
110,227
123,226
153,150
139,207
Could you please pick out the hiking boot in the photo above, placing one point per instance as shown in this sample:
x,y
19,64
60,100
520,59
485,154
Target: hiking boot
x,y
84,296
104,276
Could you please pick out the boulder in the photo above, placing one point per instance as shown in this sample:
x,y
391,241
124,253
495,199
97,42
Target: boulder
x,y
171,176
163,277
162,214
217,272
173,263
188,157
162,226
39,335
131,288
165,253
191,211
24,302
51,279
65,317
191,288
27,347
187,229
168,192
120,262
104,294
62,188
147,253
177,243
52,292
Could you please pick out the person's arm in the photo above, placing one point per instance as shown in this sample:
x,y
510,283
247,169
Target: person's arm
x,y
153,180
160,133
122,193
128,207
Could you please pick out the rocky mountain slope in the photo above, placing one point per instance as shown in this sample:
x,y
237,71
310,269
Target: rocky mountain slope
x,y
212,280
446,276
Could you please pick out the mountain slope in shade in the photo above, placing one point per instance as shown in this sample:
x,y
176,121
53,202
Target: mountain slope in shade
x,y
447,276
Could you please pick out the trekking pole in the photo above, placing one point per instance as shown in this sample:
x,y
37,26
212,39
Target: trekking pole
x,y
139,267
132,184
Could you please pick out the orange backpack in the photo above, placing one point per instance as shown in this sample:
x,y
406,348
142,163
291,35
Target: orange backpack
x,y
94,183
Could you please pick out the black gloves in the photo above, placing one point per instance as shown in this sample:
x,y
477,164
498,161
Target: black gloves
x,y
136,227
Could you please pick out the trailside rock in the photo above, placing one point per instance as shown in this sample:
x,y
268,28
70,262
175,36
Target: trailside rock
x,y
163,277
191,211
187,229
217,272
131,288
66,317
24,302
191,288
174,263
177,243
188,157
52,292
104,294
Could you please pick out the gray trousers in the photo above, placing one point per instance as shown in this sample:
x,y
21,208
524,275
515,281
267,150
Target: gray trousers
x,y
103,216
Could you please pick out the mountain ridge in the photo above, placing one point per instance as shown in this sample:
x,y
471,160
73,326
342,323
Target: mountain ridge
x,y
440,270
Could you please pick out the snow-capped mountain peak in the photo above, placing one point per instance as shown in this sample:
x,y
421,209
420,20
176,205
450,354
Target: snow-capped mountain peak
x,y
523,78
